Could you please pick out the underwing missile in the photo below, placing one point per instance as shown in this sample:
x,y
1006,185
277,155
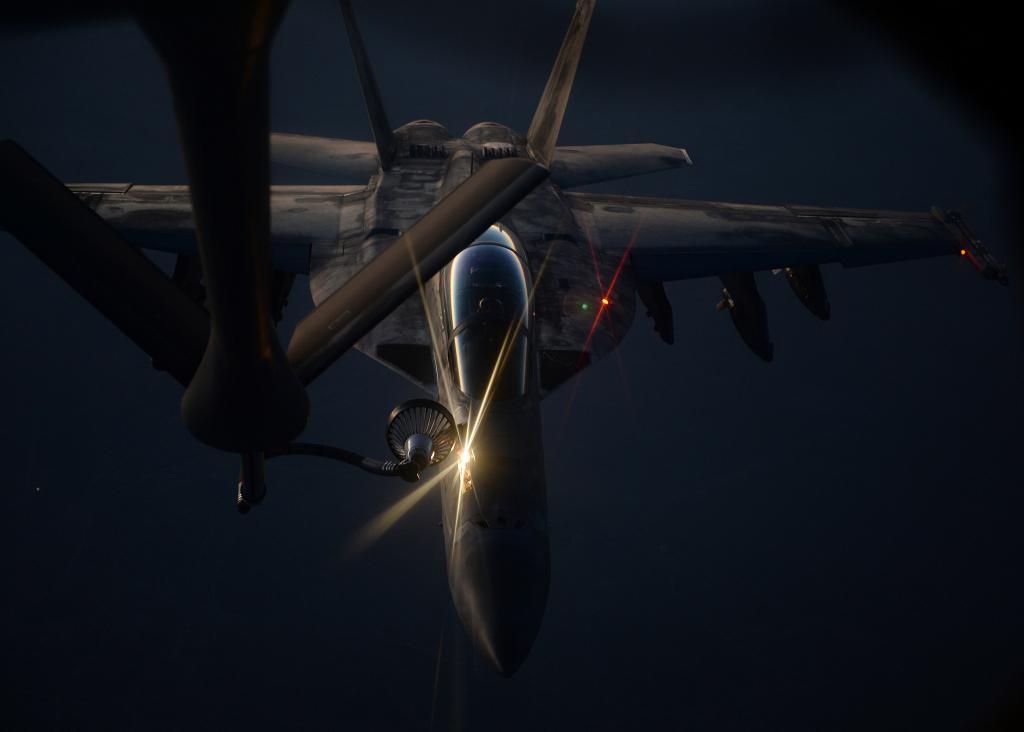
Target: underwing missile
x,y
652,294
809,287
746,308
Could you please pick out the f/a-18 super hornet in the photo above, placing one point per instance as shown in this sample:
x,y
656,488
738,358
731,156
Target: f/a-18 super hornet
x,y
467,265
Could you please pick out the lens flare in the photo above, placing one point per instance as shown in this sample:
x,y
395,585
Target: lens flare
x,y
379,526
435,340
388,518
464,459
593,253
606,297
605,302
506,349
473,424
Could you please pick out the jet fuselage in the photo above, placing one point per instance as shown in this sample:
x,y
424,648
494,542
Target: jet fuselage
x,y
494,502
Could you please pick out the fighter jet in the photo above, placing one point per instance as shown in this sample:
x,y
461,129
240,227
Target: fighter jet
x,y
467,264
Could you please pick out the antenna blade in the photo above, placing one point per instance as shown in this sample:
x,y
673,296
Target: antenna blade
x,y
371,93
547,120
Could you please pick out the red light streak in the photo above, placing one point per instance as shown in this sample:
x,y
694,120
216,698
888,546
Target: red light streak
x,y
606,299
590,335
605,302
593,255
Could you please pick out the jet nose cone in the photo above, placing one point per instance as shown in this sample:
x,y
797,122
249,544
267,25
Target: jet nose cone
x,y
501,590
505,640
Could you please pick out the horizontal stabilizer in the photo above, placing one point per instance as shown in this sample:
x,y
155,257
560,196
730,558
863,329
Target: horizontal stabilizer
x,y
580,166
349,161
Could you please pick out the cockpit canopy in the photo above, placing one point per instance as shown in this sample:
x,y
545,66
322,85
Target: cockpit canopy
x,y
489,308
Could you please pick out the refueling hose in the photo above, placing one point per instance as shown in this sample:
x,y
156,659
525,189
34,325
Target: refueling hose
x,y
406,470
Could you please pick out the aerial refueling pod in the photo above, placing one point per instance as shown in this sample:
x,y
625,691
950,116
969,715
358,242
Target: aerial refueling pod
x,y
746,308
809,287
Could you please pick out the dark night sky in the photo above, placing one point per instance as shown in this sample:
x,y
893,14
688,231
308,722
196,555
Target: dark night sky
x,y
831,541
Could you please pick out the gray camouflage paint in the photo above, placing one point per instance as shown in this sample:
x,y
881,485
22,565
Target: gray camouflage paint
x,y
579,248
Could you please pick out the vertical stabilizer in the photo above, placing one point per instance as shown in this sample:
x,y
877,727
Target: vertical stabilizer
x,y
547,119
371,93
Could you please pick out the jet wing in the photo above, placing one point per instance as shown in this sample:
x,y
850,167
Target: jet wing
x,y
346,160
673,240
160,217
